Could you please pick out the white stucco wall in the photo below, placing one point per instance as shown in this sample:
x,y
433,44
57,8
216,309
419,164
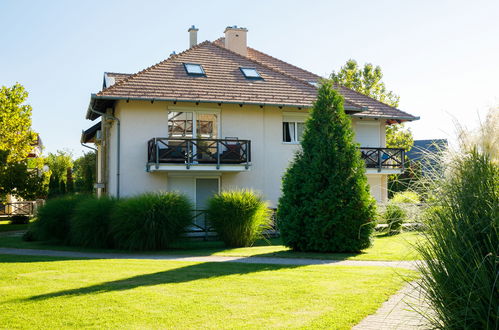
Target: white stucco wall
x,y
141,121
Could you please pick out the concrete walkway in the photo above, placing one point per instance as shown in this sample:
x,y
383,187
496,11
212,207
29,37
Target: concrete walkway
x,y
249,260
398,312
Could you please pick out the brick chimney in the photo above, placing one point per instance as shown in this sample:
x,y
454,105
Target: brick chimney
x,y
193,36
235,39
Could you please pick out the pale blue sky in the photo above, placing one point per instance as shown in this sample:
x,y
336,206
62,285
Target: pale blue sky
x,y
441,57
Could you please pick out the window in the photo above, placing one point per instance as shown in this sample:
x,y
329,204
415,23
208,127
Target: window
x,y
188,125
314,83
194,69
292,131
251,73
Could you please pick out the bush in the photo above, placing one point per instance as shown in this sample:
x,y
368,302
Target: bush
x,y
150,221
89,225
326,205
53,218
406,197
460,276
394,216
19,219
239,217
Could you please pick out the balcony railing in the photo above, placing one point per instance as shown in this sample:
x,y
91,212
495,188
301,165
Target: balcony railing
x,y
230,151
383,158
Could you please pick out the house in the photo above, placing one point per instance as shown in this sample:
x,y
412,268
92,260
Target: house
x,y
217,116
424,153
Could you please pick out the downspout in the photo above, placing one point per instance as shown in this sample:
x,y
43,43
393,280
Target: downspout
x,y
118,147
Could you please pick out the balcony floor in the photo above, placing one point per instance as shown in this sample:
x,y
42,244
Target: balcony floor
x,y
162,167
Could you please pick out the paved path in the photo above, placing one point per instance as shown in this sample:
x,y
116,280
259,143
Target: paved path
x,y
398,312
249,260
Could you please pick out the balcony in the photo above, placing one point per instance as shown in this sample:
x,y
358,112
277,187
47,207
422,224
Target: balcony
x,y
383,160
178,154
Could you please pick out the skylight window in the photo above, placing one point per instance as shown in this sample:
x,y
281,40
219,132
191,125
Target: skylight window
x,y
251,73
314,83
194,69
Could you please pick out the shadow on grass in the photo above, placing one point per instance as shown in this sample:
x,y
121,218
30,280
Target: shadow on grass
x,y
185,274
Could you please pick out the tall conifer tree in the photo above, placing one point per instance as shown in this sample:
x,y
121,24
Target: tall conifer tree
x,y
326,205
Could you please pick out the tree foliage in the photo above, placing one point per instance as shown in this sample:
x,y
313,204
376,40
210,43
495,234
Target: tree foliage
x,y
19,175
16,135
84,171
60,164
325,203
366,80
21,179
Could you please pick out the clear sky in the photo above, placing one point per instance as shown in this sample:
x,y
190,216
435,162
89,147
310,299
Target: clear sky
x,y
441,57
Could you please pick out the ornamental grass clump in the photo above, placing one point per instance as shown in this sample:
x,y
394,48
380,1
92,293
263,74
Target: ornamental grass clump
x,y
53,219
151,221
461,273
89,225
239,217
394,216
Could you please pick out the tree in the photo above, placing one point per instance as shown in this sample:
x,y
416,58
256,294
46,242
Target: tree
x,y
19,175
16,135
368,81
85,172
59,163
325,203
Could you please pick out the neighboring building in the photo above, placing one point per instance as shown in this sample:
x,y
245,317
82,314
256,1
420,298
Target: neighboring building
x,y
217,116
425,153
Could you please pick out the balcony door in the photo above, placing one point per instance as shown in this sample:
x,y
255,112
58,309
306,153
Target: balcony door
x,y
193,124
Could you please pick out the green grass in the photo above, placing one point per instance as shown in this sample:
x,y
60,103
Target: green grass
x,y
54,293
397,247
6,226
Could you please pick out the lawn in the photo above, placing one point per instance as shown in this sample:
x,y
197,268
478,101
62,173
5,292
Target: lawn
x,y
47,292
398,247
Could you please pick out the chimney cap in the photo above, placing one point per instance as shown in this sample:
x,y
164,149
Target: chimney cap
x,y
192,28
235,27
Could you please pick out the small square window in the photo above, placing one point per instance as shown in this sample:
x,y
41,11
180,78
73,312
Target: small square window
x,y
314,83
251,73
194,69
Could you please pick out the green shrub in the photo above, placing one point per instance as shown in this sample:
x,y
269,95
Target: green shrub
x,y
460,276
53,218
19,219
239,217
406,197
89,225
326,205
394,216
150,221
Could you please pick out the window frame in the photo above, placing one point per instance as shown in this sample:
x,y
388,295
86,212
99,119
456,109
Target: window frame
x,y
296,139
196,74
242,68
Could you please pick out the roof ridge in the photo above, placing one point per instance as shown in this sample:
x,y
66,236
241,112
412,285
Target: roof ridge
x,y
133,75
287,63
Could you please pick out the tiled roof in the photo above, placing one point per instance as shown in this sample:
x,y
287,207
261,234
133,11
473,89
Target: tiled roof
x,y
223,82
283,84
373,107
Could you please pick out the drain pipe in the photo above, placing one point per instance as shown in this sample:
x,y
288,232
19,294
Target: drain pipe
x,y
104,115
